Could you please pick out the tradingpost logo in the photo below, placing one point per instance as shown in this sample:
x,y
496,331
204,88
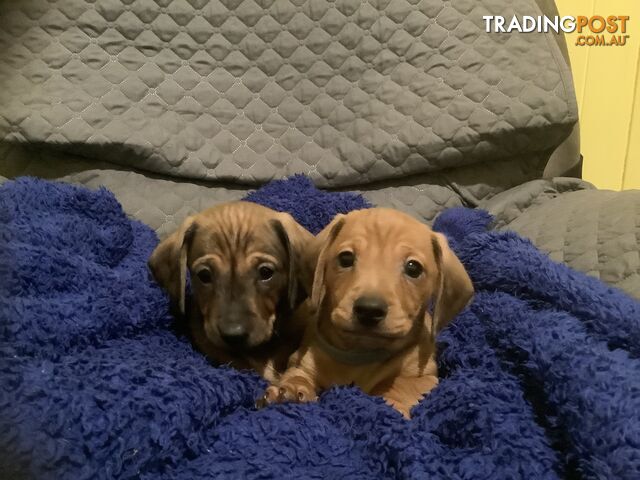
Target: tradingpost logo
x,y
593,31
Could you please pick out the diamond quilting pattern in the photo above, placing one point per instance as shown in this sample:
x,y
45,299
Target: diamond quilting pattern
x,y
347,92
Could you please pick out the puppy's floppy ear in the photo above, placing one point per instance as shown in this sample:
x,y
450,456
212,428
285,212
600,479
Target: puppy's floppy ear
x,y
168,262
296,240
322,242
454,288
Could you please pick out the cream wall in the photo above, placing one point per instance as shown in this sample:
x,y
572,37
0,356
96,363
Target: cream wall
x,y
608,93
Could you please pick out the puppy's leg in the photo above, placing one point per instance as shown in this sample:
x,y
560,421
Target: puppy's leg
x,y
403,393
299,383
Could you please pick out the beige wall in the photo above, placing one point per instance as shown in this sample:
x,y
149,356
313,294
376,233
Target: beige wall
x,y
608,93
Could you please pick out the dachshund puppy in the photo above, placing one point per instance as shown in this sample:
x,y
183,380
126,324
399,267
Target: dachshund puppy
x,y
385,285
249,273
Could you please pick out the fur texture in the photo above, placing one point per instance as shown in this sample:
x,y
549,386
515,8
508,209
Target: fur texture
x,y
538,376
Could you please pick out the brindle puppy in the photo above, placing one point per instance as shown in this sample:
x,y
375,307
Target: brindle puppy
x,y
249,273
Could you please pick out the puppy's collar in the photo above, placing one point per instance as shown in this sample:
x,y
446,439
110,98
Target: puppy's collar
x,y
352,357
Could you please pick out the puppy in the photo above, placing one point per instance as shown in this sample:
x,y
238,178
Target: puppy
x,y
385,285
248,272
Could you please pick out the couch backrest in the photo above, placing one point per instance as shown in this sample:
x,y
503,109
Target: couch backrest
x,y
346,91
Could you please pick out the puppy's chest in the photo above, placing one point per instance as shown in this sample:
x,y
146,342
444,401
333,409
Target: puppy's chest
x,y
367,376
372,376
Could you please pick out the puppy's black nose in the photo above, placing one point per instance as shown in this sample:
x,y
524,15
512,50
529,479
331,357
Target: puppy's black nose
x,y
234,334
370,310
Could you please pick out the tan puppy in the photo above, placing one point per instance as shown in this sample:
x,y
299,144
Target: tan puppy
x,y
379,271
249,273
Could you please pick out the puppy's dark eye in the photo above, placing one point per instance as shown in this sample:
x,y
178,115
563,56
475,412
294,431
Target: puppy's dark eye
x,y
204,275
346,259
265,272
413,269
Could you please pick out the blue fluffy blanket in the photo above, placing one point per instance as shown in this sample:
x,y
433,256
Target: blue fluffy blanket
x,y
540,375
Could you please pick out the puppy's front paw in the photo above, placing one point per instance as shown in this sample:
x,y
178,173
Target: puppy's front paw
x,y
296,390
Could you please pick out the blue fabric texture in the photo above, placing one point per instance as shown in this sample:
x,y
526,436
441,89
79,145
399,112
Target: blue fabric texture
x,y
540,375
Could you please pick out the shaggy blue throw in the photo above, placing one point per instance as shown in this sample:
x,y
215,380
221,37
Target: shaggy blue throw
x,y
540,375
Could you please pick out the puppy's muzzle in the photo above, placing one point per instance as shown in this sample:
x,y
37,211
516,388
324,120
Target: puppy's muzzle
x,y
234,334
370,310
234,325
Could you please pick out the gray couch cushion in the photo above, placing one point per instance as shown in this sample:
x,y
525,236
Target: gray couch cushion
x,y
597,232
593,231
348,92
164,202
161,202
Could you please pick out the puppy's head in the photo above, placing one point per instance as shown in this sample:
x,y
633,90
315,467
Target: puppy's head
x,y
246,266
378,272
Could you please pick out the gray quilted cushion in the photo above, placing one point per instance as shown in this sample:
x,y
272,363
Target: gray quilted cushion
x,y
594,231
163,202
346,91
